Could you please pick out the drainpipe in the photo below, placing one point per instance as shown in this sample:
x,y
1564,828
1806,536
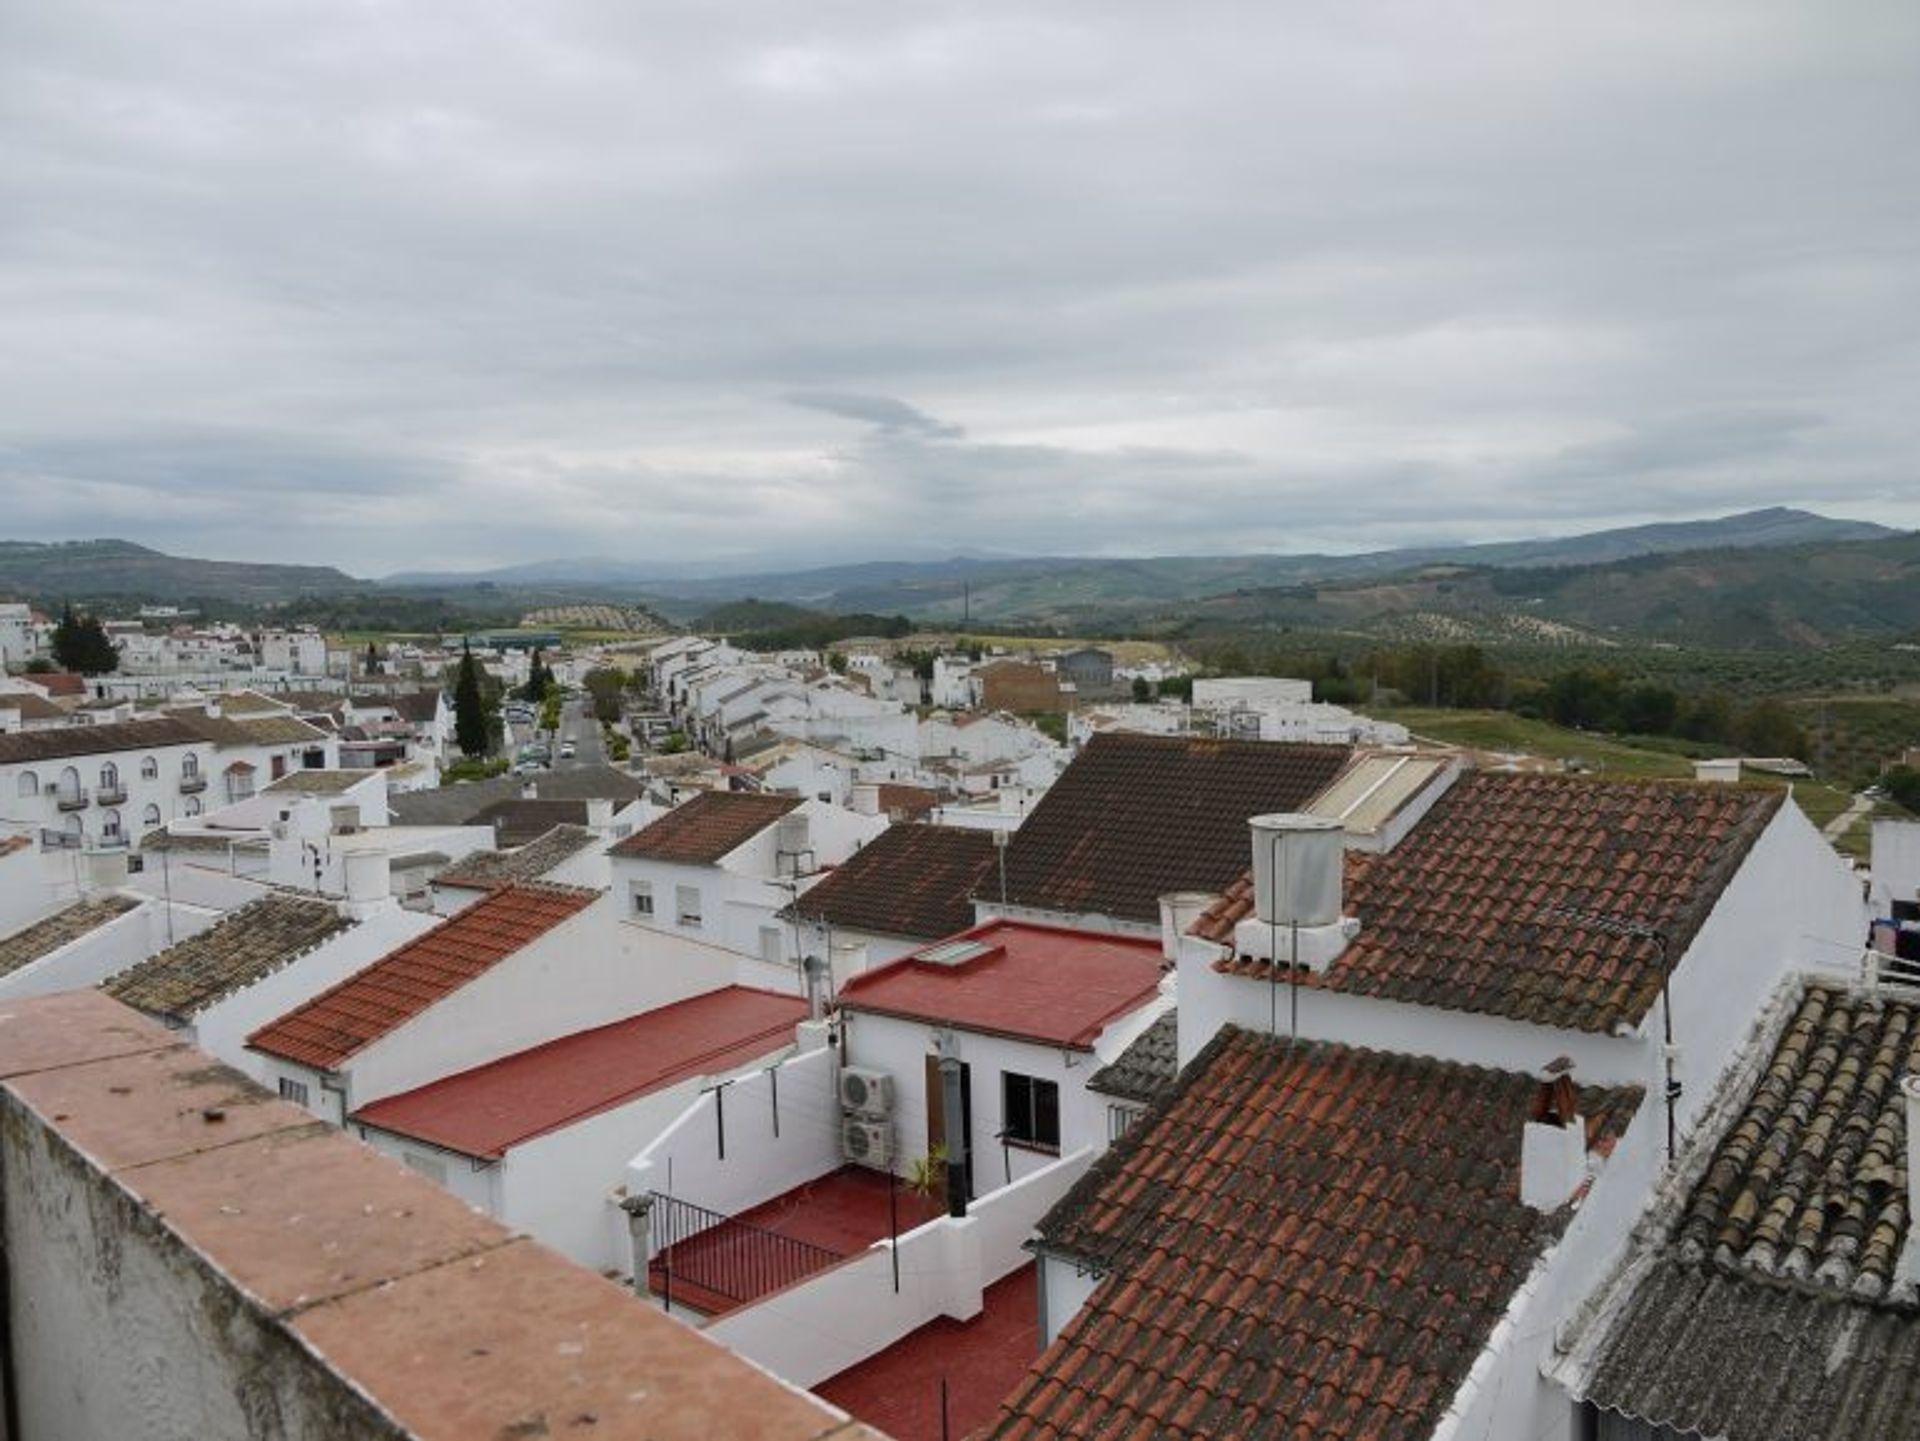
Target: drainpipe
x,y
956,1121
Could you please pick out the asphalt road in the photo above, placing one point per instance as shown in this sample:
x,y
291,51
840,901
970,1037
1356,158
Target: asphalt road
x,y
577,724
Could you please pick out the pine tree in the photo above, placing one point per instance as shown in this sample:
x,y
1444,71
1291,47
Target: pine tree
x,y
80,643
373,659
469,711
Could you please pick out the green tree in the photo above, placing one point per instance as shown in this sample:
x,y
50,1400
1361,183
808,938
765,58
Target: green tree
x,y
608,688
372,664
1767,728
1903,784
80,644
1142,689
470,727
539,680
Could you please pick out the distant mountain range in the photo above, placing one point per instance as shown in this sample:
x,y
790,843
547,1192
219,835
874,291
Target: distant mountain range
x,y
1774,577
95,569
1044,587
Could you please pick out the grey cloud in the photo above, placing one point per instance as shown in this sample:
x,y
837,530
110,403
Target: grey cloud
x,y
452,283
883,412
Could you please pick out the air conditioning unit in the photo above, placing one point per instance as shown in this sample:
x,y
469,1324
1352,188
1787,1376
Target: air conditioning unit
x,y
867,1143
866,1093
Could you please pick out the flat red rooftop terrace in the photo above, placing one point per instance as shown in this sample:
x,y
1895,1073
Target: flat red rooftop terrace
x,y
484,1111
898,1390
1013,978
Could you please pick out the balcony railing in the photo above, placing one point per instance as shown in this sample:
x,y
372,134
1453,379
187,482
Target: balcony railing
x,y
192,785
732,1260
113,795
60,840
71,798
112,841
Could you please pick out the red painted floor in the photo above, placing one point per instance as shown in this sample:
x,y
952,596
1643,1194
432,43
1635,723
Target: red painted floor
x,y
898,1391
843,1212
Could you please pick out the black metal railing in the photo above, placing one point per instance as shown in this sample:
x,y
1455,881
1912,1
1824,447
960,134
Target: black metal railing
x,y
192,783
70,798
707,1251
60,840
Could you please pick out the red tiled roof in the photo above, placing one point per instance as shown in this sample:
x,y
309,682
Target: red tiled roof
x,y
910,880
491,1108
1301,1241
906,802
1455,915
61,682
705,828
1033,983
1135,817
400,985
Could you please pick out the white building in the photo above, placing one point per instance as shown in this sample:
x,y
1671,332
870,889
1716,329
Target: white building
x,y
719,867
104,785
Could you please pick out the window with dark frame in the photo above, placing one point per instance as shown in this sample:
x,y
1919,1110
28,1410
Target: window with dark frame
x,y
1030,1111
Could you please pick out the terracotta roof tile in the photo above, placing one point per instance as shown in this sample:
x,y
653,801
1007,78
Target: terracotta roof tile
x,y
27,747
399,986
484,870
484,1111
1147,1068
1775,1306
1309,1240
1456,915
904,802
62,928
910,880
705,828
1135,817
239,949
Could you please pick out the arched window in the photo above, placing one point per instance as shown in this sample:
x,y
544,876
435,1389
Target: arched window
x,y
110,831
190,764
109,776
151,817
74,829
149,769
193,805
69,787
29,783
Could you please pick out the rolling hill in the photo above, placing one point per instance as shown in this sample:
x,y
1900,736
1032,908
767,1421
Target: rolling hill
x,y
89,570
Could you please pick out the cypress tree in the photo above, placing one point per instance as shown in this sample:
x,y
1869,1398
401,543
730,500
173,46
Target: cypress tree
x,y
469,712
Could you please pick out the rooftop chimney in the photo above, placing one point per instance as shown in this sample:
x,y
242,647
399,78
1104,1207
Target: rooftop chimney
x,y
1178,911
865,799
1553,1144
1297,873
600,815
369,882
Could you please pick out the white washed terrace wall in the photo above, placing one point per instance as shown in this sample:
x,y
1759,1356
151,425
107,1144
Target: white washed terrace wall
x,y
820,1326
685,1161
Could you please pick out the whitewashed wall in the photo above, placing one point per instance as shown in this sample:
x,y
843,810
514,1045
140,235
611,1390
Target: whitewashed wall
x,y
685,1161
819,1327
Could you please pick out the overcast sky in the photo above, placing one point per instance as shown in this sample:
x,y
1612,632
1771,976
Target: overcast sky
x,y
414,283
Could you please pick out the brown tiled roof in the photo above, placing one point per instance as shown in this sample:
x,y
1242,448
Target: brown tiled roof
x,y
239,703
31,706
1147,1069
520,822
1456,915
318,782
61,682
239,949
906,802
13,845
416,707
26,747
1775,1307
705,828
910,880
1309,1241
47,935
1135,817
400,985
485,870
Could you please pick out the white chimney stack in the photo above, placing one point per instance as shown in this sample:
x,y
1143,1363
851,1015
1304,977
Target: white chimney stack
x,y
369,882
1178,911
865,798
600,815
1553,1143
1298,863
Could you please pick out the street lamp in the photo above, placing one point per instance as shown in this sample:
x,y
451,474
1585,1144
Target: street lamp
x,y
1618,925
